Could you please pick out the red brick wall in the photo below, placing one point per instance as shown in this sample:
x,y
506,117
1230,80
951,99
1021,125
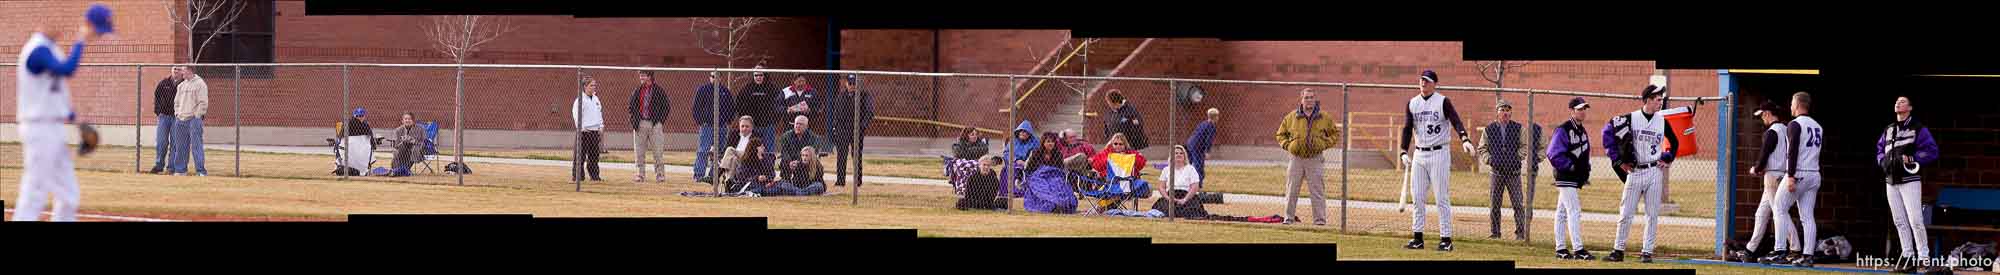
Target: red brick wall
x,y
101,94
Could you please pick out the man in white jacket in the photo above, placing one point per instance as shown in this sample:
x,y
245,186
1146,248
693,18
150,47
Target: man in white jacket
x,y
190,106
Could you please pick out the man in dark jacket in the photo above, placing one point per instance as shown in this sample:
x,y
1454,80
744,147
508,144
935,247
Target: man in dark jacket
x,y
707,114
648,109
800,99
1569,154
1124,119
759,100
842,126
1904,148
163,107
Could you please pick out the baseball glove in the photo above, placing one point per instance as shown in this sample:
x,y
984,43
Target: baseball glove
x,y
88,144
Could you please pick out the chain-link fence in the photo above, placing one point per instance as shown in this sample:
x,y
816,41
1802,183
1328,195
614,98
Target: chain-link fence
x,y
924,139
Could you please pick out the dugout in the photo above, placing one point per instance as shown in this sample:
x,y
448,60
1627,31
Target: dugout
x,y
1854,109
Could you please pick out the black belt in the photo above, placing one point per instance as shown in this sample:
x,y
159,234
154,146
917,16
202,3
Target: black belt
x,y
1432,148
1646,165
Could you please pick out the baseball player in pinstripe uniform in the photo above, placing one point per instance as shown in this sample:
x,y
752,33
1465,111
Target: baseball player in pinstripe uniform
x,y
1425,121
1643,158
1801,183
1775,152
1569,154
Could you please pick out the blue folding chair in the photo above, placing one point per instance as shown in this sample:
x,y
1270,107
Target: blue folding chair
x,y
430,145
1121,185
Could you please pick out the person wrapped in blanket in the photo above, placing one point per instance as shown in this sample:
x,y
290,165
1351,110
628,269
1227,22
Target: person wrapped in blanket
x,y
1119,160
1182,185
981,187
805,177
1047,184
1025,143
964,157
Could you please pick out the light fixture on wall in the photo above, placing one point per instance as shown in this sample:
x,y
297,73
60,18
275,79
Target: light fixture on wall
x,y
1189,94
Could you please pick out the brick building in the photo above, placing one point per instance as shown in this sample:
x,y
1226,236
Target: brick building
x,y
533,100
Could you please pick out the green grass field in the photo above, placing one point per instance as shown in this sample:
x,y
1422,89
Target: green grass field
x,y
1696,198
298,187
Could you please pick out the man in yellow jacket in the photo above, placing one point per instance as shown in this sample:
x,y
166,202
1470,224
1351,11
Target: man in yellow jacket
x,y
1305,133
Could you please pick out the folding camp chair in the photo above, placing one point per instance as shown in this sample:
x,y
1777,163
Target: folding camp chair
x,y
430,145
1122,184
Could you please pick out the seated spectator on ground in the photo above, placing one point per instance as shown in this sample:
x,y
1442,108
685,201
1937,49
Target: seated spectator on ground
x,y
1047,184
965,153
738,140
753,170
797,136
409,143
359,141
805,177
1117,164
1024,141
1101,162
1074,146
970,145
983,186
1181,187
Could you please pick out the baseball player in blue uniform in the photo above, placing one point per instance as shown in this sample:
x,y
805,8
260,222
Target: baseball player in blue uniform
x,y
1800,185
1430,170
42,107
1902,151
1643,158
1569,154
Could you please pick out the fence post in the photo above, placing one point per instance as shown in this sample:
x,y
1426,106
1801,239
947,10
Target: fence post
x,y
1725,163
138,113
716,87
340,139
1347,144
1173,120
576,136
238,102
855,126
1007,143
1534,165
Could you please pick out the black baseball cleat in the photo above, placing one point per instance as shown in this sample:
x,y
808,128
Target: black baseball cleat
x,y
1444,244
1904,268
1775,257
1562,254
1582,254
1416,241
1740,256
1615,256
1646,257
1802,260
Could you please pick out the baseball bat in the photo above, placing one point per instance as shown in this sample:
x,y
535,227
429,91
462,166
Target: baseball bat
x,y
1405,193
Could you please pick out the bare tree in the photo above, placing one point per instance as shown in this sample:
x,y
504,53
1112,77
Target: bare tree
x,y
458,37
728,37
219,15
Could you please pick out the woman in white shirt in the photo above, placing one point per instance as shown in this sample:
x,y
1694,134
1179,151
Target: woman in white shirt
x,y
1185,183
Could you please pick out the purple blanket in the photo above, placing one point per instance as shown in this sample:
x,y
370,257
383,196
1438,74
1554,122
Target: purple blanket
x,y
1049,192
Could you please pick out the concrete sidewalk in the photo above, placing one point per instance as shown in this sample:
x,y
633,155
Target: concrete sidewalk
x,y
1232,198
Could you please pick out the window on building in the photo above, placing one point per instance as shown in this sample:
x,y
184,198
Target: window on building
x,y
250,42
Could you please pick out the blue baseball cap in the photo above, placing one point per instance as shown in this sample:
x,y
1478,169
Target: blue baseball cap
x,y
1429,76
99,17
358,111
